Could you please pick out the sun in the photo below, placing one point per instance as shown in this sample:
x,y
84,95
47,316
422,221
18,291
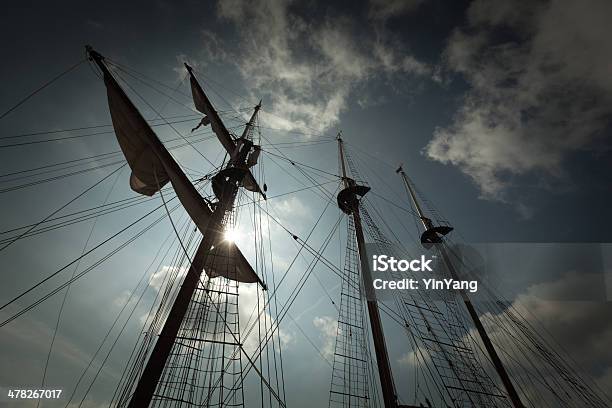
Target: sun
x,y
231,235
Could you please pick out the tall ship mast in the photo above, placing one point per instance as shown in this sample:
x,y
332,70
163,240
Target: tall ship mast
x,y
197,345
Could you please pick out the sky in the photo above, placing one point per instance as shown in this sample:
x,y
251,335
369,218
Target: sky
x,y
498,110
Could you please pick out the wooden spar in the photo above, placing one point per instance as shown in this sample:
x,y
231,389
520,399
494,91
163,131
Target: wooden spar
x,y
497,363
380,347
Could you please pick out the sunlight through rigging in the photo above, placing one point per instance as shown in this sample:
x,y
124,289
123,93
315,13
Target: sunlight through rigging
x,y
231,235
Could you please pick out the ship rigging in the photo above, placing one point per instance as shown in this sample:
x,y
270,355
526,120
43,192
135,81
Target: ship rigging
x,y
196,345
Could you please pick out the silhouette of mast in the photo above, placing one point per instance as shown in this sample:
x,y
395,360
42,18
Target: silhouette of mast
x,y
348,202
434,235
211,223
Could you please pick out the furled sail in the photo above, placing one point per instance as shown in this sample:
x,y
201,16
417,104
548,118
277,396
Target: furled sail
x,y
253,156
232,147
251,184
203,105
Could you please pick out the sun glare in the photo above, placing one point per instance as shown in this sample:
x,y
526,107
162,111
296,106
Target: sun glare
x,y
230,235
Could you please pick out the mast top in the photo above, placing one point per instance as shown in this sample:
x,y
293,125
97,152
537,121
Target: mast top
x,y
93,53
432,234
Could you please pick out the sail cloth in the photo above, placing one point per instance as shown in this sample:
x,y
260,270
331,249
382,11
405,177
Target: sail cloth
x,y
132,132
226,260
153,166
250,184
203,105
151,163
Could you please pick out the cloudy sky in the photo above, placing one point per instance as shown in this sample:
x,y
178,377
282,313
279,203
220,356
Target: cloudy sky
x,y
499,110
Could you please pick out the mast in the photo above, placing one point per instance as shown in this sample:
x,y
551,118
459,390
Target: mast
x,y
433,235
349,203
212,236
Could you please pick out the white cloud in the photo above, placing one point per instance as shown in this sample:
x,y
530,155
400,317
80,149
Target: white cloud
x,y
306,71
249,309
328,326
122,299
384,9
415,358
289,209
160,278
532,101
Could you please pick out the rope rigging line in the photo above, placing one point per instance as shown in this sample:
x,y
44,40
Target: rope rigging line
x,y
293,296
50,132
526,379
295,145
512,324
153,321
170,98
62,207
61,309
532,341
268,319
127,302
76,172
322,136
280,386
298,164
319,192
239,344
252,103
300,247
275,291
304,243
114,206
74,137
58,177
442,330
303,257
312,343
188,96
456,363
104,241
48,166
40,88
165,121
318,185
283,156
51,171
